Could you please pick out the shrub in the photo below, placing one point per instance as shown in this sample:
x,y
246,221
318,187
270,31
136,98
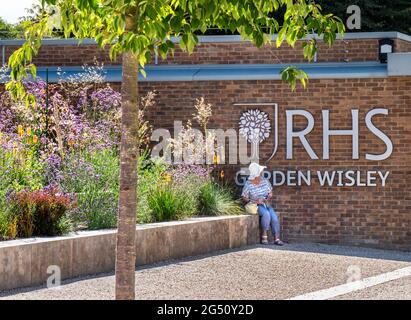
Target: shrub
x,y
170,199
93,178
6,227
151,172
39,213
169,203
218,200
20,169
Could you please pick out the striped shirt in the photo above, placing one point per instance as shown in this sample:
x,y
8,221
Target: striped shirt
x,y
255,192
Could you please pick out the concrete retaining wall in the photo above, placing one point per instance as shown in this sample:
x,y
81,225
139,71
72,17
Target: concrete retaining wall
x,y
24,262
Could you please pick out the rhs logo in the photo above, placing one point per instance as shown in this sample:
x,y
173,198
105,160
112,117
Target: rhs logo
x,y
254,126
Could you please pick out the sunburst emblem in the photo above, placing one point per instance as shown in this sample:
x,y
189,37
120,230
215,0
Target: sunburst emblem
x,y
255,126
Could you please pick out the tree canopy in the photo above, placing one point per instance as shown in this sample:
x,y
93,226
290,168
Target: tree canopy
x,y
376,15
9,30
143,27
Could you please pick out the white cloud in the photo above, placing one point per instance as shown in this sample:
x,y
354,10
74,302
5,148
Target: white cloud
x,y
12,10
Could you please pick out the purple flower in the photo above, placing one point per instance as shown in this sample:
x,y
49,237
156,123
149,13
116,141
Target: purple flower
x,y
181,171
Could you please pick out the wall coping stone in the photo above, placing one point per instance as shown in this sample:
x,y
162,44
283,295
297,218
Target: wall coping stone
x,y
221,72
225,38
93,233
24,262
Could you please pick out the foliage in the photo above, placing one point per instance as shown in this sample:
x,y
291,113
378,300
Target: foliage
x,y
192,146
10,31
376,15
33,13
72,127
215,200
143,27
39,213
5,226
151,172
174,201
93,178
70,141
168,203
69,138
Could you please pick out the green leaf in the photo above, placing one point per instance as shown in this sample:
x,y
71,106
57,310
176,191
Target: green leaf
x,y
33,70
280,36
163,50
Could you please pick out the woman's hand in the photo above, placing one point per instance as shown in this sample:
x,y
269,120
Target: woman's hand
x,y
270,195
260,201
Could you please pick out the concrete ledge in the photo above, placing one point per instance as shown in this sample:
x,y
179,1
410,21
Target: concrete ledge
x,y
231,72
222,38
399,64
24,262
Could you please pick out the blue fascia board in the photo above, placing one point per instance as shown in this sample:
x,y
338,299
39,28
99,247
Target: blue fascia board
x,y
272,72
225,38
173,73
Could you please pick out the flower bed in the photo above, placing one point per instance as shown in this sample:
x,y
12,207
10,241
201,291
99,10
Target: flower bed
x,y
59,163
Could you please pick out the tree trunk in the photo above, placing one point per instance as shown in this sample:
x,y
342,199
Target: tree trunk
x,y
129,152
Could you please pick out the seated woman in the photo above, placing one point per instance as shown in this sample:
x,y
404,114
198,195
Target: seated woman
x,y
257,191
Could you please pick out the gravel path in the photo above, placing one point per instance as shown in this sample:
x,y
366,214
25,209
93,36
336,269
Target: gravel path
x,y
394,290
256,272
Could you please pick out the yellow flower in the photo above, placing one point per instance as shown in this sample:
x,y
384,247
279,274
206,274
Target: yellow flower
x,y
216,159
70,143
28,140
20,130
35,139
167,178
28,131
222,174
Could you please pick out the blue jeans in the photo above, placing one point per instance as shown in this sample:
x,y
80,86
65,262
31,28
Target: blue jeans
x,y
269,219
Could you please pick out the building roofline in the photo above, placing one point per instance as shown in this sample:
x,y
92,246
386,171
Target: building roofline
x,y
224,38
221,72
399,64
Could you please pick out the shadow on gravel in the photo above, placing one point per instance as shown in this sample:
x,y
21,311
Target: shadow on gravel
x,y
368,253
139,268
63,282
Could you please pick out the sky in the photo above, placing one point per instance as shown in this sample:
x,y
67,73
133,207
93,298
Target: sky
x,y
12,10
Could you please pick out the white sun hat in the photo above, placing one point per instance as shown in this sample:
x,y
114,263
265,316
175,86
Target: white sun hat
x,y
255,170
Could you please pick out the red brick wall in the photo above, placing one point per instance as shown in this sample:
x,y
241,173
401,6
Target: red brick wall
x,y
67,55
225,53
402,46
246,52
373,216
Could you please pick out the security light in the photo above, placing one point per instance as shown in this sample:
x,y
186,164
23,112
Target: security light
x,y
385,46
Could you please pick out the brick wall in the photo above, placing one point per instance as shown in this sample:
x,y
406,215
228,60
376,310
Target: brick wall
x,y
67,55
402,46
372,216
225,53
246,52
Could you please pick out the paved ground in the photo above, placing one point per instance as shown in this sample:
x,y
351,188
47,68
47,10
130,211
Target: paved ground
x,y
256,272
